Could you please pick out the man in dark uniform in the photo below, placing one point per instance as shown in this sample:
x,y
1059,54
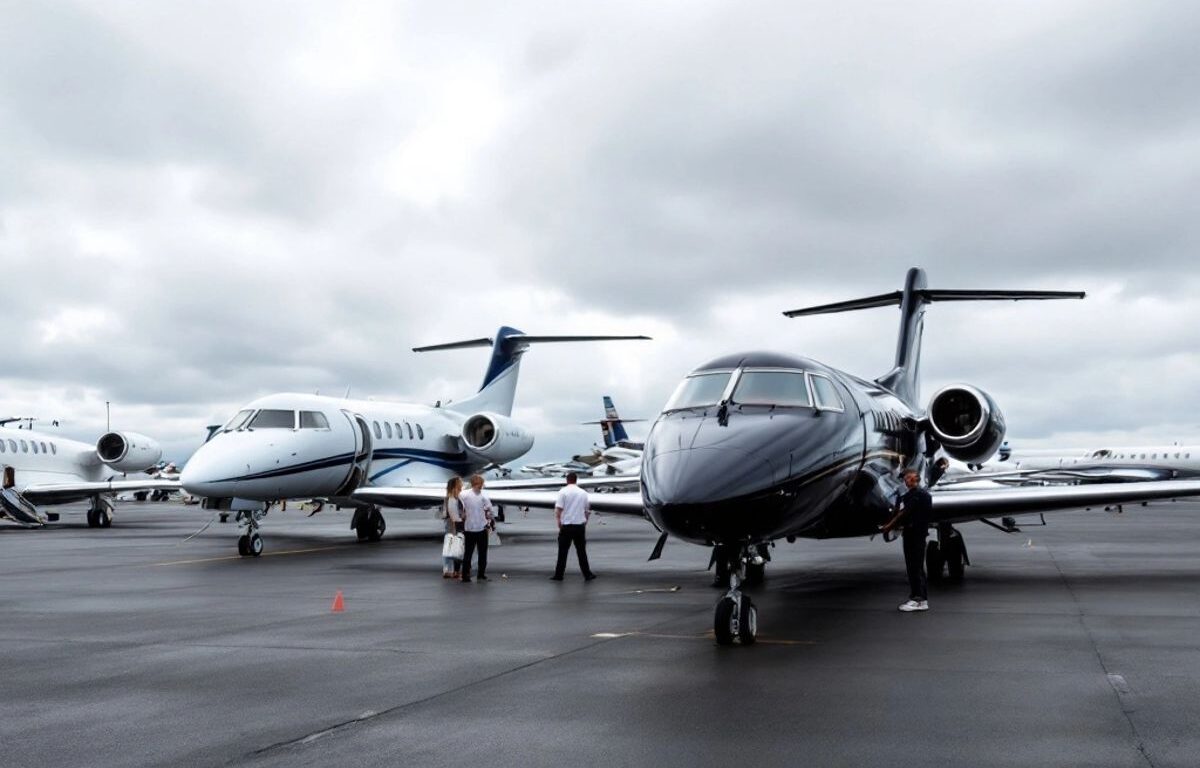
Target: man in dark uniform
x,y
914,515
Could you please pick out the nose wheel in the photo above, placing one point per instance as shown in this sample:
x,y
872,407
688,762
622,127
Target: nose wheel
x,y
250,543
735,618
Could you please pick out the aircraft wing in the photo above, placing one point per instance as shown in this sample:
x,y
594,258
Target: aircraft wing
x,y
1066,475
417,497
623,482
60,493
952,506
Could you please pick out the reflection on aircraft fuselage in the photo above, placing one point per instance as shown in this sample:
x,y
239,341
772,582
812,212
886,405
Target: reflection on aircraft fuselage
x,y
730,473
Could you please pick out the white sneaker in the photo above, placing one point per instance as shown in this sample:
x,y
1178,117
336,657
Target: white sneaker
x,y
914,605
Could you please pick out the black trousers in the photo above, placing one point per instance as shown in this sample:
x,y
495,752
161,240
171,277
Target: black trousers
x,y
471,540
914,563
568,535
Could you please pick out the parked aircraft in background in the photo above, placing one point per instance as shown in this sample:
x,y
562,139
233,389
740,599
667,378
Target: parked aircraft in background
x,y
619,456
303,446
759,446
1091,465
48,468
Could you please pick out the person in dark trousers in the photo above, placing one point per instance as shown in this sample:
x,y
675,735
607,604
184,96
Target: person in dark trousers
x,y
572,511
477,518
914,514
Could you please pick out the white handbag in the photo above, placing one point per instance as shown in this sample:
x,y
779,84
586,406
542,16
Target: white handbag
x,y
452,545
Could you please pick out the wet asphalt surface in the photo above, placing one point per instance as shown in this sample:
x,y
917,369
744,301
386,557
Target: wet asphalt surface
x,y
1073,644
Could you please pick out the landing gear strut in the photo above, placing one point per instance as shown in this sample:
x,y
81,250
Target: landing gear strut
x,y
735,617
250,543
100,514
368,523
946,556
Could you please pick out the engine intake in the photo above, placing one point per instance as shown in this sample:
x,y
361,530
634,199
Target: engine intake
x,y
128,451
495,438
967,422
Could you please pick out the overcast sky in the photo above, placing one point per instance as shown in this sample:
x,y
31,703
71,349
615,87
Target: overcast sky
x,y
201,203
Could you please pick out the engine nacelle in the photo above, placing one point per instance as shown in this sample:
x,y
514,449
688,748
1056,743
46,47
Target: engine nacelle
x,y
495,438
967,422
128,451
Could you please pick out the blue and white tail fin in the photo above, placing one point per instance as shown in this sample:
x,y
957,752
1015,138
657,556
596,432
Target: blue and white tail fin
x,y
499,388
904,378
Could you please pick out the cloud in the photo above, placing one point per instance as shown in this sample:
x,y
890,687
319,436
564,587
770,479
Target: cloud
x,y
201,205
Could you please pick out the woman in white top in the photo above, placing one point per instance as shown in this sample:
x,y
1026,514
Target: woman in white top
x,y
452,509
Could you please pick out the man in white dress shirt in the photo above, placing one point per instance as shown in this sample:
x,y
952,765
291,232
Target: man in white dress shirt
x,y
572,512
477,518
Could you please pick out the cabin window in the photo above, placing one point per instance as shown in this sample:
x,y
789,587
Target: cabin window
x,y
12,445
409,426
772,388
699,390
378,431
313,420
1,446
274,418
53,448
827,394
387,427
24,447
239,420
1153,456
399,432
420,432
1177,454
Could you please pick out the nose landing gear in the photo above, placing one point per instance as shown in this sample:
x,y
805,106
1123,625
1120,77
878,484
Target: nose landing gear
x,y
250,543
735,617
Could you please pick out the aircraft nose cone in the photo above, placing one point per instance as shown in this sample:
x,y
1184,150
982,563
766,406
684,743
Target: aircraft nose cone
x,y
704,475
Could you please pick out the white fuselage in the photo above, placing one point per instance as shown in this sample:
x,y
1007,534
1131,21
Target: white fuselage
x,y
1179,460
403,444
38,458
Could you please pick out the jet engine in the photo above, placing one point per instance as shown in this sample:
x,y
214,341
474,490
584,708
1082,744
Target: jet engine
x,y
966,421
128,451
495,438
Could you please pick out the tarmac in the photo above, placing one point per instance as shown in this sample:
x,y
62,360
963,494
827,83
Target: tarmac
x,y
1070,644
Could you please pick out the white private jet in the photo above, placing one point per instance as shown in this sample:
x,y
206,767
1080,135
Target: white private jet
x,y
1092,465
48,468
290,446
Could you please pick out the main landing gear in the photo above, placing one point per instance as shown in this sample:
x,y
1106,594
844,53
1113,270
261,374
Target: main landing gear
x,y
735,617
250,543
368,523
100,514
946,556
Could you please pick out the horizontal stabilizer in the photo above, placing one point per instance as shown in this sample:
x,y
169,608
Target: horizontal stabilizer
x,y
610,421
929,296
484,342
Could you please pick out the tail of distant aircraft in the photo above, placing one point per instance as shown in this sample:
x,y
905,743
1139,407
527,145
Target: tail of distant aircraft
x,y
611,426
904,378
499,387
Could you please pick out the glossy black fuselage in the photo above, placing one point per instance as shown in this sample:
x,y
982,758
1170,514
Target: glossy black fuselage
x,y
748,474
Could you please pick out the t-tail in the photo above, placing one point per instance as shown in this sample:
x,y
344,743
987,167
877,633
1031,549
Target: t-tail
x,y
904,377
612,427
499,387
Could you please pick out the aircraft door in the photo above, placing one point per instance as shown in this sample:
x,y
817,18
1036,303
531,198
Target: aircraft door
x,y
362,454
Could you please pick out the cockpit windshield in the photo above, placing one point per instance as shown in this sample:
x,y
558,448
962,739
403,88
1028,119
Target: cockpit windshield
x,y
313,420
269,418
698,390
787,388
239,421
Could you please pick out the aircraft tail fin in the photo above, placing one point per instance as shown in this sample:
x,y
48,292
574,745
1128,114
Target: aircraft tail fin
x,y
499,387
903,379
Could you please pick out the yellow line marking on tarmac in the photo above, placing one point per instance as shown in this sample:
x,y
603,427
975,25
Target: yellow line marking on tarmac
x,y
240,557
706,636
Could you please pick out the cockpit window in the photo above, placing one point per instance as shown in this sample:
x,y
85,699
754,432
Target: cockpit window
x,y
239,421
827,395
270,418
698,390
772,388
313,420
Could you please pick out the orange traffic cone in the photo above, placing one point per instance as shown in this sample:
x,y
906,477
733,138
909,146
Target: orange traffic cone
x,y
339,605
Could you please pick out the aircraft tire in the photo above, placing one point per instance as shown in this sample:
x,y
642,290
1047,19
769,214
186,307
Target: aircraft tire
x,y
92,520
935,561
243,546
955,561
376,525
104,518
723,621
748,622
254,545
